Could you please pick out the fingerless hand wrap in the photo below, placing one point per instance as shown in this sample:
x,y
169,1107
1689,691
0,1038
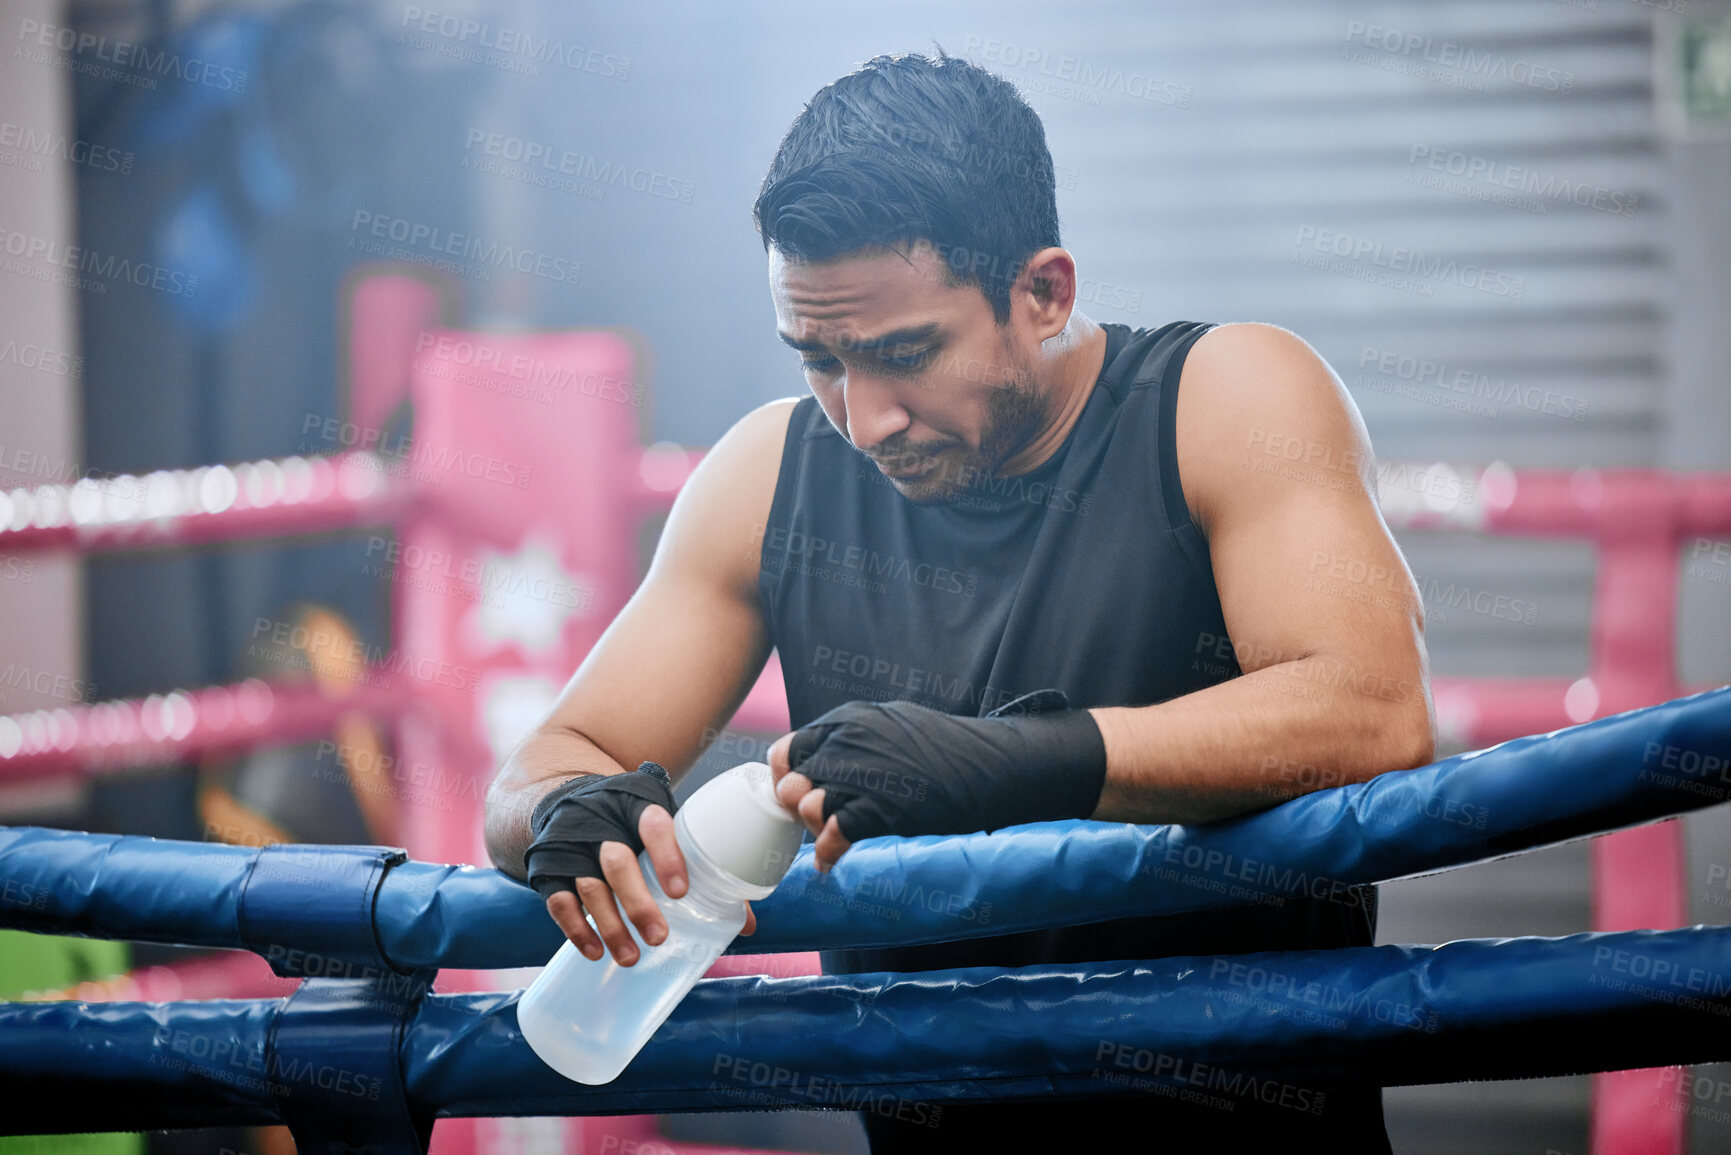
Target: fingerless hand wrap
x,y
901,768
569,824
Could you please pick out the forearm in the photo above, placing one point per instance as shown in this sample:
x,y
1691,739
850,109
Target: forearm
x,y
1260,739
549,756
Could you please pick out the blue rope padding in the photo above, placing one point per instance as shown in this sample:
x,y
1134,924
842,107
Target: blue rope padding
x,y
71,1067
110,886
1519,795
1618,771
1390,1015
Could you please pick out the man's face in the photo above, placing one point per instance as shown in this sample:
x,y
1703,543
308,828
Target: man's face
x,y
913,371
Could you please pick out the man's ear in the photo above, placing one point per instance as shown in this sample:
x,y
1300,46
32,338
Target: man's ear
x,y
1049,279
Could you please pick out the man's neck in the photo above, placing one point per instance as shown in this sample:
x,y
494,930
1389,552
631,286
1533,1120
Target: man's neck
x,y
1071,362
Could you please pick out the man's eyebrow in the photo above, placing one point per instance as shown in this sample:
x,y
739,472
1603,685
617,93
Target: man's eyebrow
x,y
802,346
912,335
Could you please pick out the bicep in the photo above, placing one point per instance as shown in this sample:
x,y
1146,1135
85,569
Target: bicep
x,y
1285,486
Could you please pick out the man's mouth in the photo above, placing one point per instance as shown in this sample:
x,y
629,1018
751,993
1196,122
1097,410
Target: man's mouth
x,y
903,472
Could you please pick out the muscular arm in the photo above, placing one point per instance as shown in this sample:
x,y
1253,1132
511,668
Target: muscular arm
x,y
1323,615
669,671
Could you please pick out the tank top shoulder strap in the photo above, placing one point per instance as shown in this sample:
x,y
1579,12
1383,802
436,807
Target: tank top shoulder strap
x,y
1154,361
805,425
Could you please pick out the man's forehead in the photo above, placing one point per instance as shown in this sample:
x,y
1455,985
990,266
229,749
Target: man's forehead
x,y
856,272
856,297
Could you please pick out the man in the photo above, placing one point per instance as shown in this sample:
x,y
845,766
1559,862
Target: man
x,y
988,494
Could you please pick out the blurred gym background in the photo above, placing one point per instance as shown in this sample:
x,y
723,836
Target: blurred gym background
x,y
1210,159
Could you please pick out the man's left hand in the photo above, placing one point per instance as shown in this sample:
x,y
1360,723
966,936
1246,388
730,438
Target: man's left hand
x,y
874,768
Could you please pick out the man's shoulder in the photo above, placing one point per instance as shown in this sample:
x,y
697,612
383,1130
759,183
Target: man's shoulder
x,y
1255,396
766,423
1239,370
724,505
748,456
1242,348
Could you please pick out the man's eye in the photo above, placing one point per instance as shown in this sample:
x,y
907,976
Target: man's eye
x,y
819,365
908,362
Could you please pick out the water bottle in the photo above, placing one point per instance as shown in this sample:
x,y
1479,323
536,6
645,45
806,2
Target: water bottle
x,y
588,1019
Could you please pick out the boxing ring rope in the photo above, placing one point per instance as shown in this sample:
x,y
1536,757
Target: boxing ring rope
x,y
299,495
1473,1009
182,507
1636,519
177,508
367,928
110,737
267,498
1518,796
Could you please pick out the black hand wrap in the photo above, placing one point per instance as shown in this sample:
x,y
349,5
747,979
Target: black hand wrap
x,y
900,768
571,822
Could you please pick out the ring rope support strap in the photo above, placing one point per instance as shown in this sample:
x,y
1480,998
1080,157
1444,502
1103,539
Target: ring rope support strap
x,y
335,1067
1389,1015
309,909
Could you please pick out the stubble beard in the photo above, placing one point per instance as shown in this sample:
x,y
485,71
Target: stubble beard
x,y
1016,412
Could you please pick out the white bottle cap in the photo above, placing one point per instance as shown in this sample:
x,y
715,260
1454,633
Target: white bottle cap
x,y
737,823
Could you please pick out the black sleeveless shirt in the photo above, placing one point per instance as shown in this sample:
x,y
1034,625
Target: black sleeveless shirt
x,y
1085,574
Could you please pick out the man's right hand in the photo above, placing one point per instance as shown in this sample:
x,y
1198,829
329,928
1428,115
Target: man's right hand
x,y
587,834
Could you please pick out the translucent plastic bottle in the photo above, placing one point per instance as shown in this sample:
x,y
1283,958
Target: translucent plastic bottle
x,y
588,1019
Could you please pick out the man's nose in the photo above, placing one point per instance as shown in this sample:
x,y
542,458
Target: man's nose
x,y
873,412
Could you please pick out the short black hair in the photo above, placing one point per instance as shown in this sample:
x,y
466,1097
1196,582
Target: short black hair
x,y
912,147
